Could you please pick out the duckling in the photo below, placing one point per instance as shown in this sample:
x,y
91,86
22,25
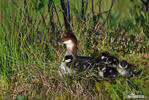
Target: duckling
x,y
108,72
126,69
105,56
109,59
68,60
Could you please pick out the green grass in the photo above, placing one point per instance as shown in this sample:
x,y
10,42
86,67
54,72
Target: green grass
x,y
30,56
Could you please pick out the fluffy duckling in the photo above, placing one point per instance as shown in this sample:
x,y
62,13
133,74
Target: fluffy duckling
x,y
126,69
109,59
108,72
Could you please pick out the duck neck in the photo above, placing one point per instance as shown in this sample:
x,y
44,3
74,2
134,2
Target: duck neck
x,y
71,49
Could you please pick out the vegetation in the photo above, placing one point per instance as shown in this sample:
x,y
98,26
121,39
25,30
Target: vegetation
x,y
30,56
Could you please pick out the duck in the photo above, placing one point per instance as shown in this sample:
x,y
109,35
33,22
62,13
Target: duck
x,y
68,62
126,69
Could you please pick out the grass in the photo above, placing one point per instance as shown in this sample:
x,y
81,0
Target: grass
x,y
30,57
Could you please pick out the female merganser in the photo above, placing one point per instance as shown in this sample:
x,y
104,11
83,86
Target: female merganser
x,y
126,69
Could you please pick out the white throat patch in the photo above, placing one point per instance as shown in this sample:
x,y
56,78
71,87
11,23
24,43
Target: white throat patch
x,y
68,42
